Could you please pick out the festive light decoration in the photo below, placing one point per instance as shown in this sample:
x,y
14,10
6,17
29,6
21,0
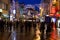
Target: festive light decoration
x,y
58,14
53,8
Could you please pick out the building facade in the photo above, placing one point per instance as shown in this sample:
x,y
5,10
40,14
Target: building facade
x,y
4,7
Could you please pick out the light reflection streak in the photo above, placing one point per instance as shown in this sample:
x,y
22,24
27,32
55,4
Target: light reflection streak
x,y
13,34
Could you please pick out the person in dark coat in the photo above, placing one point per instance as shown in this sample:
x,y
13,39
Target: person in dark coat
x,y
48,26
1,26
42,27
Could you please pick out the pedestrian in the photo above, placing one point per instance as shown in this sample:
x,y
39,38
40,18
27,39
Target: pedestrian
x,y
48,26
42,27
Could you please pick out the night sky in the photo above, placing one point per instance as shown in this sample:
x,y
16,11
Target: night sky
x,y
30,1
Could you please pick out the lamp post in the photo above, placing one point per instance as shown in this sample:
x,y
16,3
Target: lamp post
x,y
41,11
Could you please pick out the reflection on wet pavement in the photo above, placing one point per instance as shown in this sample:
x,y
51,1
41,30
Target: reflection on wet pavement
x,y
32,34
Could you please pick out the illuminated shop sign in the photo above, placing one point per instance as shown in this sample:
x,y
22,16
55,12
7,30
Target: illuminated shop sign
x,y
0,10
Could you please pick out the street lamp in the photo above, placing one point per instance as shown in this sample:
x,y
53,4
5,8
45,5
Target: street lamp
x,y
41,11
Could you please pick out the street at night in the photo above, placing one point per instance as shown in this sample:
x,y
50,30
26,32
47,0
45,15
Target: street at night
x,y
27,32
29,19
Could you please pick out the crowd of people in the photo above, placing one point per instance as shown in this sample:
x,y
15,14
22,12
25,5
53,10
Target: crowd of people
x,y
47,27
28,24
16,24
